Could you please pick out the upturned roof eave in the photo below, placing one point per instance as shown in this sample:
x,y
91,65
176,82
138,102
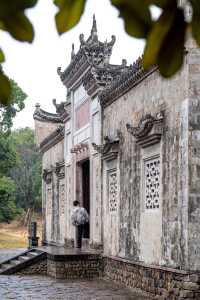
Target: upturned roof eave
x,y
44,116
77,66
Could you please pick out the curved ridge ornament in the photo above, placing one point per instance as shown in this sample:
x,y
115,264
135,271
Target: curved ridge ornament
x,y
149,129
144,127
111,145
47,175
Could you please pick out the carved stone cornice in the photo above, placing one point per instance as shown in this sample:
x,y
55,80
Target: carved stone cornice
x,y
110,148
123,83
60,169
52,139
79,148
90,84
149,129
100,77
47,175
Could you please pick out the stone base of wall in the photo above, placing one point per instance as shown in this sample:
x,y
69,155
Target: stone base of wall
x,y
86,244
160,282
39,268
164,283
96,246
69,243
75,267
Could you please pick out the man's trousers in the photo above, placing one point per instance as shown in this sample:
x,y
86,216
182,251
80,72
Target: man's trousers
x,y
79,234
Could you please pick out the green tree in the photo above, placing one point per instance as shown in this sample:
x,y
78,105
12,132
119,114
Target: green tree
x,y
7,152
8,155
15,105
8,209
164,37
26,174
8,158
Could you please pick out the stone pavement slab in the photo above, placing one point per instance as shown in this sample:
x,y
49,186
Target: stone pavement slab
x,y
46,288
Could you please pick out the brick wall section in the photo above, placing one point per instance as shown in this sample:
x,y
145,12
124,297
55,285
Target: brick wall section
x,y
39,268
164,283
73,267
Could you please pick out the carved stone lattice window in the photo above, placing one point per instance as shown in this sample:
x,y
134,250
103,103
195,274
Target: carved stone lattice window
x,y
112,191
152,183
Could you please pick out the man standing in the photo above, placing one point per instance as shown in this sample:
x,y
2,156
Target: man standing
x,y
79,219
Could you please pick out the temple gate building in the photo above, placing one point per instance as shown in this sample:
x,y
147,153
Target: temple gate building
x,y
126,144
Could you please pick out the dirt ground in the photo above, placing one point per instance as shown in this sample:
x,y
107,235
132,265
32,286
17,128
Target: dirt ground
x,y
15,234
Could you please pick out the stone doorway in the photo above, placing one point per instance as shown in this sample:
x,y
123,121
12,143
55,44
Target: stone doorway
x,y
83,188
85,166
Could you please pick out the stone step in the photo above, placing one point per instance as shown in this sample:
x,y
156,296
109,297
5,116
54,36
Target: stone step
x,y
85,243
19,262
15,262
33,254
6,266
23,258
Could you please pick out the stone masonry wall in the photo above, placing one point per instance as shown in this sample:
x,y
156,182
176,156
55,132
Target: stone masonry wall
x,y
164,283
152,95
87,266
39,268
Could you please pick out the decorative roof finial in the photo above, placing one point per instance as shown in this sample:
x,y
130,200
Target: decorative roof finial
x,y
124,62
37,106
94,26
73,52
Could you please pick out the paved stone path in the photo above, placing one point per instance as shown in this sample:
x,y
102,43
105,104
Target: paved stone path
x,y
8,253
43,288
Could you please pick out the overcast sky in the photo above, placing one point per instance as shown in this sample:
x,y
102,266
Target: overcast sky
x,y
34,66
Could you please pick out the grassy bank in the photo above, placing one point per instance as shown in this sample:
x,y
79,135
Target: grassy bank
x,y
15,235
12,240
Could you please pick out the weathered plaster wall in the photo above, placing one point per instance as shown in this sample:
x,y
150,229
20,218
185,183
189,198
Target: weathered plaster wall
x,y
96,176
54,196
193,59
150,96
43,129
53,155
96,205
69,229
111,183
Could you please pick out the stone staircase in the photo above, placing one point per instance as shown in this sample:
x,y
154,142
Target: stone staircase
x,y
21,261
